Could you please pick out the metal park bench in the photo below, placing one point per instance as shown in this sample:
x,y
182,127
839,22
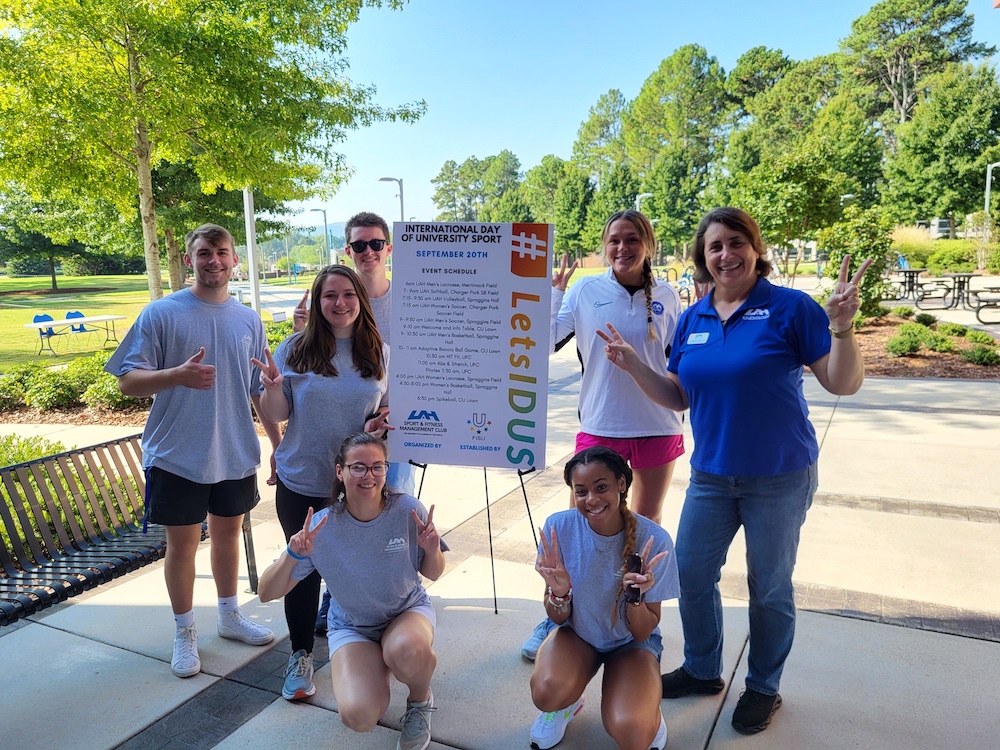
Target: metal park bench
x,y
73,521
930,293
987,299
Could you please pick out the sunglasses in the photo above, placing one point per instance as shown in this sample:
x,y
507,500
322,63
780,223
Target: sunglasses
x,y
359,246
360,470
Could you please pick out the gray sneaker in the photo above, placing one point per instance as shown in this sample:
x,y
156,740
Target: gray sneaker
x,y
298,677
416,732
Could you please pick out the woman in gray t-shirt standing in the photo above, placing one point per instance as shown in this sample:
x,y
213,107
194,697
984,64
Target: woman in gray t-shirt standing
x,y
327,381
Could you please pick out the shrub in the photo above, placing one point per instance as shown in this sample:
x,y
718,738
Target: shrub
x,y
993,261
277,332
903,311
900,346
15,383
81,373
105,393
914,243
52,389
937,342
982,355
16,450
918,331
952,329
954,256
863,234
925,319
980,337
859,321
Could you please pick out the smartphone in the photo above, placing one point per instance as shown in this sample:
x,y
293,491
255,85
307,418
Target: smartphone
x,y
634,565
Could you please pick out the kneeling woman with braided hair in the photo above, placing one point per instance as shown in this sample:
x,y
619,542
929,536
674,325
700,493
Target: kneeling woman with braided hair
x,y
606,601
381,620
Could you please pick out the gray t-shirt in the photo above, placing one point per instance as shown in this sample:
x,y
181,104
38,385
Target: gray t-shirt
x,y
371,568
204,436
595,566
324,412
382,310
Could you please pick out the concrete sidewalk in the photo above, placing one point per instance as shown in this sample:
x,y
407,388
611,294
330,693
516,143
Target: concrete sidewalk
x,y
898,639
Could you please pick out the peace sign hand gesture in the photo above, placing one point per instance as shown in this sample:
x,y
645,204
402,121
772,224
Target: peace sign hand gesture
x,y
301,542
550,566
428,538
619,352
561,279
644,580
843,303
300,315
270,375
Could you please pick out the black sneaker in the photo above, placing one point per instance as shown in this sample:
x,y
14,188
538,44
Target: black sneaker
x,y
679,683
754,711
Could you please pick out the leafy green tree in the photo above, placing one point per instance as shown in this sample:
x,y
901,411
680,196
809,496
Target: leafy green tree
x,y
475,189
757,70
511,206
616,193
540,185
17,246
95,95
599,144
897,43
939,166
864,233
448,193
677,182
680,104
572,200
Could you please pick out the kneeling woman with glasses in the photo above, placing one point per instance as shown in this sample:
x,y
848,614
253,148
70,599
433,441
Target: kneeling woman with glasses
x,y
371,547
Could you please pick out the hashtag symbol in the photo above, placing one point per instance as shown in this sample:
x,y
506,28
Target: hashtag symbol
x,y
530,247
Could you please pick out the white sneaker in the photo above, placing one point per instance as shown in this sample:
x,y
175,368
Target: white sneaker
x,y
235,626
660,741
549,728
185,661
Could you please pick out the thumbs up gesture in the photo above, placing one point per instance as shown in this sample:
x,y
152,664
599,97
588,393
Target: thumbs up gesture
x,y
193,374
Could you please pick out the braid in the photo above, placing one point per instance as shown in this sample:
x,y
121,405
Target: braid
x,y
647,287
628,521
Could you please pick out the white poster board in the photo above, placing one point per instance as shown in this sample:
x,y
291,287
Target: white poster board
x,y
470,343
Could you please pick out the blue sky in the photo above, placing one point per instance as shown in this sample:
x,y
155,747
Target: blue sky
x,y
523,75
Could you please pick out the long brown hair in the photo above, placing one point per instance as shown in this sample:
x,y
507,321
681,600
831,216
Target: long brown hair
x,y
315,347
647,236
617,465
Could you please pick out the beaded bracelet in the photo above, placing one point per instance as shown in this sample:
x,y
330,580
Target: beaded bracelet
x,y
293,555
561,603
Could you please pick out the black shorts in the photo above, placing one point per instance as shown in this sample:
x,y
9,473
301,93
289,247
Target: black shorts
x,y
175,501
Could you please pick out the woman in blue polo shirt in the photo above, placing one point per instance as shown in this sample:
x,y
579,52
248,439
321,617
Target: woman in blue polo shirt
x,y
737,360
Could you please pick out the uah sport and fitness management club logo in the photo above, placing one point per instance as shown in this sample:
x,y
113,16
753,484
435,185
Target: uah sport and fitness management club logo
x,y
423,422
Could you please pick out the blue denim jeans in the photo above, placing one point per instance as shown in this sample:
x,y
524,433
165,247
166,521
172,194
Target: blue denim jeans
x,y
771,510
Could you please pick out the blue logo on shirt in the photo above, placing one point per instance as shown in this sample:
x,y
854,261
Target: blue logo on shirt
x,y
602,304
657,308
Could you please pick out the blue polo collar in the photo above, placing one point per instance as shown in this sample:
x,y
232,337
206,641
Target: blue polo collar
x,y
760,296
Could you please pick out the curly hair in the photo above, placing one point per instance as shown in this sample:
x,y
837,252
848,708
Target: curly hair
x,y
339,501
647,236
619,467
313,350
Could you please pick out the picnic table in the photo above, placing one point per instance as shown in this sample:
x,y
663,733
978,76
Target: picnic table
x,y
910,285
75,325
961,294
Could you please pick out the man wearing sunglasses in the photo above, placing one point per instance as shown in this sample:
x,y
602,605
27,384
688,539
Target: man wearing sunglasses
x,y
368,246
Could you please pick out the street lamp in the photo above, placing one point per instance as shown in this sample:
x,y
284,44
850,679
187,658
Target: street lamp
x,y
326,234
639,197
400,181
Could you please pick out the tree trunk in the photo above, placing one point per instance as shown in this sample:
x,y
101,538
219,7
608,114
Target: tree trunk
x,y
147,212
52,271
174,264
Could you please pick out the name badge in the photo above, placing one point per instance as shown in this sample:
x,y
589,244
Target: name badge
x,y
698,338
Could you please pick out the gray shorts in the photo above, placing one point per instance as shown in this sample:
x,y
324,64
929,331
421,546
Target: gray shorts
x,y
342,636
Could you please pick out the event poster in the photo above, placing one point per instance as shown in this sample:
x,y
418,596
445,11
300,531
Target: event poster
x,y
470,343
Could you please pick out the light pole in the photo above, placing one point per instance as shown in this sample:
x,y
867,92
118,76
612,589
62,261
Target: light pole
x,y
326,236
639,197
400,181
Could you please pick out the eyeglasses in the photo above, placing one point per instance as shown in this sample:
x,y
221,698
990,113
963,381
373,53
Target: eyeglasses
x,y
360,470
359,246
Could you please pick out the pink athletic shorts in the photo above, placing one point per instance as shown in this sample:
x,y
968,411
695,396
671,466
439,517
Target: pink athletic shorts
x,y
641,453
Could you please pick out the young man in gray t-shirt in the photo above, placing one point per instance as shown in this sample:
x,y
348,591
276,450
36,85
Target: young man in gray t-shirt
x,y
191,351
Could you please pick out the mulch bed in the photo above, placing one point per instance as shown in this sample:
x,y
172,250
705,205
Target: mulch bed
x,y
872,339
